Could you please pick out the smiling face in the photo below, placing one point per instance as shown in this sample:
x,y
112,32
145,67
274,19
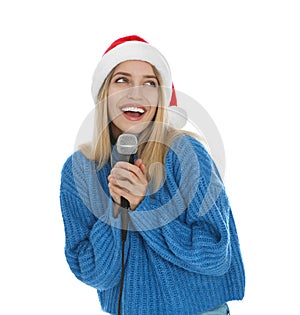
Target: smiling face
x,y
133,95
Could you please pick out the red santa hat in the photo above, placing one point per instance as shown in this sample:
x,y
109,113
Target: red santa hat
x,y
134,47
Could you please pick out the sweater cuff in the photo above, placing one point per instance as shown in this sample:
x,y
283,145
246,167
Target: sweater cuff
x,y
142,217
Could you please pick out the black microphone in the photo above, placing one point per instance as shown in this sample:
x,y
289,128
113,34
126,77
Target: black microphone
x,y
127,146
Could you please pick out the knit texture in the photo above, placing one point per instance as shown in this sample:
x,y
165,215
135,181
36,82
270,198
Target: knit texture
x,y
182,253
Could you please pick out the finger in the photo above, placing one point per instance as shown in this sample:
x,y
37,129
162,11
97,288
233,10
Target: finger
x,y
141,172
124,184
122,178
131,173
133,168
115,196
121,173
123,188
118,192
143,169
138,162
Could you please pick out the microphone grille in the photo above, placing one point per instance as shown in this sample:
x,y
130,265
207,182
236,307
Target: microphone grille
x,y
127,144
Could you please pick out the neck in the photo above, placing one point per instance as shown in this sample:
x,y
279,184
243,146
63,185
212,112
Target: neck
x,y
114,133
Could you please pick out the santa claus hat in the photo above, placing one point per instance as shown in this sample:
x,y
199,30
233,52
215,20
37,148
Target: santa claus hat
x,y
134,47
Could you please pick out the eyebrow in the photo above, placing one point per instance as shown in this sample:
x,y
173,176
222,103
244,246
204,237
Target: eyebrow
x,y
129,75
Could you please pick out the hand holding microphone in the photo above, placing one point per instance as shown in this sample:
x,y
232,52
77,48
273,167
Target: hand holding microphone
x,y
127,181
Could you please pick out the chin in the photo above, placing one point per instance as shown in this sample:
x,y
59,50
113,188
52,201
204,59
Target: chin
x,y
136,129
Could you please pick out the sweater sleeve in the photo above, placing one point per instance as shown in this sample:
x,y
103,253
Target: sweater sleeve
x,y
191,213
92,246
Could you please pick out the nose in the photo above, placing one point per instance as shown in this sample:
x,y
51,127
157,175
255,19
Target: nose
x,y
135,92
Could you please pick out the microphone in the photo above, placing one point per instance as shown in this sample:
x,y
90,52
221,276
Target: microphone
x,y
127,146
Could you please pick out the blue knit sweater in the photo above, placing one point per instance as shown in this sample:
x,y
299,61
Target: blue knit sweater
x,y
182,254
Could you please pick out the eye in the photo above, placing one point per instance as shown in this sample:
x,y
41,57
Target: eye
x,y
151,83
121,80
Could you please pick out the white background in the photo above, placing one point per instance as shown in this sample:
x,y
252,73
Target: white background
x,y
239,59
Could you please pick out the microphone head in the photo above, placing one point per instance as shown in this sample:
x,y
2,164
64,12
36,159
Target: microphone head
x,y
127,144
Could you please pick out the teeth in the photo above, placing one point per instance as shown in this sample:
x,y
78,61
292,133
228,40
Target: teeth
x,y
133,109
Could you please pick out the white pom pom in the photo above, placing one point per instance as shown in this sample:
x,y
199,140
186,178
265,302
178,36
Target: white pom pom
x,y
177,116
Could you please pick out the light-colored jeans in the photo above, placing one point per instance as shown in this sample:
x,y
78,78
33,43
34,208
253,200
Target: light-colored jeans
x,y
222,310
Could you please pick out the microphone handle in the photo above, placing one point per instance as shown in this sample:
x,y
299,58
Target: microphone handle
x,y
124,217
124,202
125,205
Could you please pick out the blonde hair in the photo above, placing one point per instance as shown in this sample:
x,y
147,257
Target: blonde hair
x,y
154,141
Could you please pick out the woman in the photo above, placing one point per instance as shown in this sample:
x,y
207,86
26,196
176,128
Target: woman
x,y
181,254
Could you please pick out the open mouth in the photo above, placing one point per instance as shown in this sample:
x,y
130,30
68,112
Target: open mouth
x,y
133,112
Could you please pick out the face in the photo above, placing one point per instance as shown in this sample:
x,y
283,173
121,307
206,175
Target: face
x,y
133,96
